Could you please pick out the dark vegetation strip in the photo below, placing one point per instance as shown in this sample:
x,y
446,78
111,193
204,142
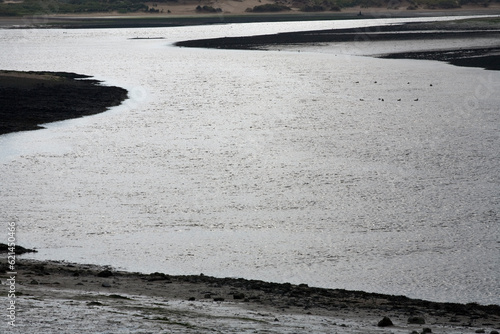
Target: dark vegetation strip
x,y
35,7
28,99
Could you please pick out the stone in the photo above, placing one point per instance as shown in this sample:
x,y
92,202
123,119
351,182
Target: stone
x,y
385,322
105,273
239,295
426,330
106,285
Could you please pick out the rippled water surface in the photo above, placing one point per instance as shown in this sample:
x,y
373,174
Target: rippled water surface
x,y
324,167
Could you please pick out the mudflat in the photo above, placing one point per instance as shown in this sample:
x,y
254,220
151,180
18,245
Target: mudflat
x,y
61,297
28,99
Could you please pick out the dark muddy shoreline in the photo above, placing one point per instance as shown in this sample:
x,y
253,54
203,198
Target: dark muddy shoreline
x,y
46,276
488,58
28,99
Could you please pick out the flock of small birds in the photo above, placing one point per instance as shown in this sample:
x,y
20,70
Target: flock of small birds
x,y
381,99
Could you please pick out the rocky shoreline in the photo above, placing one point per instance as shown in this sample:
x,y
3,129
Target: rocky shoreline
x,y
111,291
28,99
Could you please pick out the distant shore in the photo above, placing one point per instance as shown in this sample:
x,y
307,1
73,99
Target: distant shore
x,y
234,12
28,99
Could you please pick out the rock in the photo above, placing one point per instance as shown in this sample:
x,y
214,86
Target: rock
x,y
115,296
106,285
426,330
239,295
480,331
105,273
218,299
34,282
191,299
385,322
494,332
416,320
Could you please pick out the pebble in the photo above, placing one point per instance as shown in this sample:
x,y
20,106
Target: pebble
x,y
239,295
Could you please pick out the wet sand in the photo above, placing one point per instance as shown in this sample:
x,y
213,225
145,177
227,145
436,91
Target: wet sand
x,y
60,297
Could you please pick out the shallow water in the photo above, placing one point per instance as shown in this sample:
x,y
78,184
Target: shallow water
x,y
283,166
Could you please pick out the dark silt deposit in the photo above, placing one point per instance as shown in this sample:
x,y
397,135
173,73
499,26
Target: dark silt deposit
x,y
28,99
295,298
488,58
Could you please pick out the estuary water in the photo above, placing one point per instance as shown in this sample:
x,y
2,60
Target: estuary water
x,y
324,166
